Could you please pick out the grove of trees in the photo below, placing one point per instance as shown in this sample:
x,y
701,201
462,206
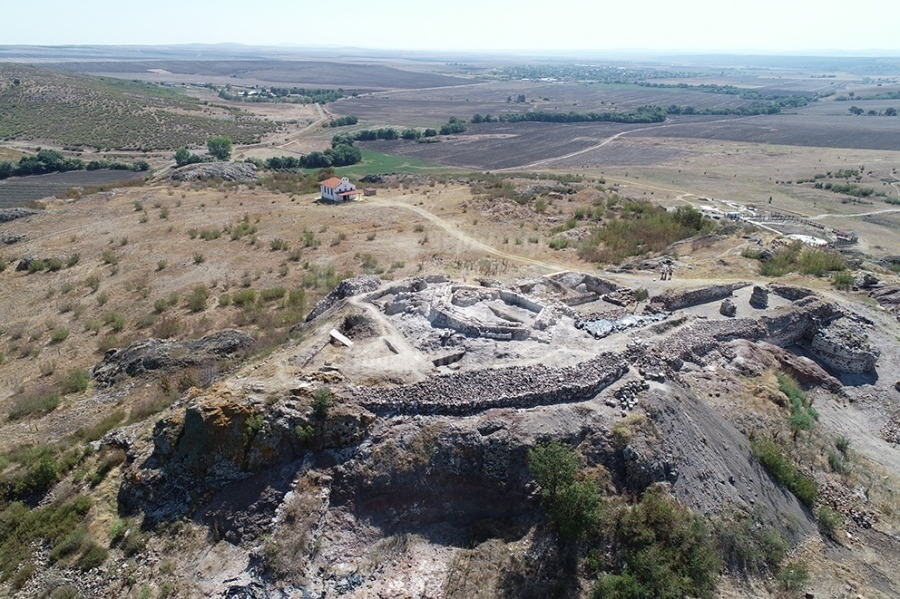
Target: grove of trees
x,y
50,161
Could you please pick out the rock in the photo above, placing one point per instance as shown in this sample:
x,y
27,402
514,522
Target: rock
x,y
228,171
158,354
727,308
25,262
867,281
344,289
8,214
759,298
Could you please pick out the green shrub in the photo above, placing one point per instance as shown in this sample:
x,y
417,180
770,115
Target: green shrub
x,y
746,546
244,298
36,266
842,280
196,301
75,380
322,401
829,519
115,321
842,444
785,471
209,234
793,577
558,243
268,295
93,282
278,244
93,556
59,335
224,300
41,400
160,305
54,264
663,551
109,257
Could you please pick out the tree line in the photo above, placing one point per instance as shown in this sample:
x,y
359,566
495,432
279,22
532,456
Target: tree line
x,y
343,121
644,114
50,161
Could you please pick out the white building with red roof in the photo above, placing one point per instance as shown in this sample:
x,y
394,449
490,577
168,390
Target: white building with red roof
x,y
338,190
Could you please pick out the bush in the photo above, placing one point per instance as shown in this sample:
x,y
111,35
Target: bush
x,y
75,381
93,557
785,471
196,301
842,280
59,335
793,577
664,551
244,298
829,519
41,400
322,401
268,295
115,321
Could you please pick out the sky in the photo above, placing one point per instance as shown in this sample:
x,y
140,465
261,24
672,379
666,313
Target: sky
x,y
769,26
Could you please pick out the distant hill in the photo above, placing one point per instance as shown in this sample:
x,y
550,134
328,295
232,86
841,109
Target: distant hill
x,y
84,111
350,76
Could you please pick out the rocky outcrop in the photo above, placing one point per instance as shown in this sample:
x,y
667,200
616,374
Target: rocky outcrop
x,y
888,297
152,354
753,358
227,171
223,436
8,214
346,288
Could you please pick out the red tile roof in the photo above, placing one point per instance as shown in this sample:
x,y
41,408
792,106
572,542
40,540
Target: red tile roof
x,y
332,182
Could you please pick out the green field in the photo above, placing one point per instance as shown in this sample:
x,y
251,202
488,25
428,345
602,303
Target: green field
x,y
376,162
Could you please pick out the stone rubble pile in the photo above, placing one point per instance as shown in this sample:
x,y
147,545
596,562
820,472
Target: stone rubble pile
x,y
890,432
626,396
844,503
509,387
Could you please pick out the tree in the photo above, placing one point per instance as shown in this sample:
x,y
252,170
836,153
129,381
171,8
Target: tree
x,y
856,110
322,401
891,111
219,147
554,467
183,157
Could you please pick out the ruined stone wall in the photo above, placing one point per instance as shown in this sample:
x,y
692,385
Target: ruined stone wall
x,y
843,347
510,387
677,300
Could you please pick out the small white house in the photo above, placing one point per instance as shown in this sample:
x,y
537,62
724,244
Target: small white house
x,y
338,190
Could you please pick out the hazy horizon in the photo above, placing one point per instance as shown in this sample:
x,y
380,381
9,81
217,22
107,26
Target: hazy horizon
x,y
802,27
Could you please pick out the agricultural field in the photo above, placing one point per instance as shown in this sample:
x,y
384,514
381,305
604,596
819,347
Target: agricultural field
x,y
351,77
16,191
